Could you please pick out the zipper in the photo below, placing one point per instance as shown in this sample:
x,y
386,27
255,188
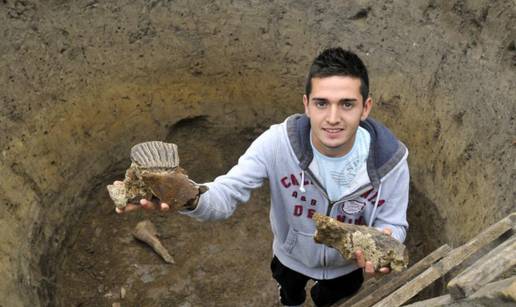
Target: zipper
x,y
317,184
357,192
324,262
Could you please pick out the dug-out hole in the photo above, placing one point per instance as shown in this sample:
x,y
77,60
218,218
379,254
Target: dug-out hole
x,y
217,264
220,263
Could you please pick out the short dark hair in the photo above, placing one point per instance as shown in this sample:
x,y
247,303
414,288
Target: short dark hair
x,y
338,62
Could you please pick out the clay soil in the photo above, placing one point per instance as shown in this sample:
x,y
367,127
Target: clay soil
x,y
217,264
83,81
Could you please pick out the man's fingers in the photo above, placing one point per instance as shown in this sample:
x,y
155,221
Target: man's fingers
x,y
131,207
164,207
384,270
368,265
360,258
387,231
369,269
146,204
127,208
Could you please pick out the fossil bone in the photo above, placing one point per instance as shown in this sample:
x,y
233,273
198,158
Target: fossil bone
x,y
379,248
146,232
173,188
154,168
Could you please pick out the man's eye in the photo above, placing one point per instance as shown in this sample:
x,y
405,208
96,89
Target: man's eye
x,y
347,105
320,104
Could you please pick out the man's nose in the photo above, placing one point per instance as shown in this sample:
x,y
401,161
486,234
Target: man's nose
x,y
333,115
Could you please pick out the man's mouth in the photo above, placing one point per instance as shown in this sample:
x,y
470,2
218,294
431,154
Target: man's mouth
x,y
333,130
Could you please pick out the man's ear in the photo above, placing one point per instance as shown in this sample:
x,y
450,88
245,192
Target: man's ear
x,y
368,105
305,103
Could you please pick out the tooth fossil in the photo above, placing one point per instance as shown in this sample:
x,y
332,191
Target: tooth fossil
x,y
154,167
379,248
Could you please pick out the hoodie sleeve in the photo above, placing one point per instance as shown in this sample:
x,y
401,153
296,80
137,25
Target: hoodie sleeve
x,y
235,187
393,213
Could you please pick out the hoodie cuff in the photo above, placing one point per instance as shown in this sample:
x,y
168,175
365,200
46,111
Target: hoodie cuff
x,y
200,210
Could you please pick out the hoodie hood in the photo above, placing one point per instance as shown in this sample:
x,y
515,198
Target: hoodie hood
x,y
385,150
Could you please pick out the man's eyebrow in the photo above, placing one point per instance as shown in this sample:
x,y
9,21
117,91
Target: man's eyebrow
x,y
340,101
319,99
348,100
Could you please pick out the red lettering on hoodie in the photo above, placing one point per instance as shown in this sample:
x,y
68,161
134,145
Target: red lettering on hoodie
x,y
285,182
293,179
310,213
298,210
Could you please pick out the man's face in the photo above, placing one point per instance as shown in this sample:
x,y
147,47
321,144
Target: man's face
x,y
335,109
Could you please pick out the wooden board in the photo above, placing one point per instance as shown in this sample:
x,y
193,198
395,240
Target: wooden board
x,y
435,301
456,257
486,269
504,289
372,294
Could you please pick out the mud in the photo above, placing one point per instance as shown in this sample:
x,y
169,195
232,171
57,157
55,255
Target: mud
x,y
83,81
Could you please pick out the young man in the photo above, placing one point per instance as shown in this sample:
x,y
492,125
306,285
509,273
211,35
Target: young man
x,y
332,160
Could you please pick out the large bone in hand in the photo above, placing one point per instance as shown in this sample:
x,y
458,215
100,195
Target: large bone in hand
x,y
146,232
379,248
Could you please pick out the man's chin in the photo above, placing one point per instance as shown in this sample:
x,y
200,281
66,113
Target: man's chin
x,y
334,145
334,148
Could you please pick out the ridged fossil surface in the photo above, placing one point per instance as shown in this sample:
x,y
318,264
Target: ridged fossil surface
x,y
379,248
154,171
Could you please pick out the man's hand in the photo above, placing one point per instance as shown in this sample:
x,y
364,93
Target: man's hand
x,y
144,204
368,266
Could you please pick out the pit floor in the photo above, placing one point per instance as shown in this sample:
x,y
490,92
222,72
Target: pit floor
x,y
217,264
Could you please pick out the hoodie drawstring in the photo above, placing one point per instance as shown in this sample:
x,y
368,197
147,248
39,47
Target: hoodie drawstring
x,y
371,218
302,186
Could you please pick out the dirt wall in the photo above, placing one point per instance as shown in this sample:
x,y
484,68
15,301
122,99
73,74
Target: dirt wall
x,y
82,81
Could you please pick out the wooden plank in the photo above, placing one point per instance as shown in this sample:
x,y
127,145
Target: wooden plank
x,y
370,285
456,257
504,289
486,269
436,301
374,294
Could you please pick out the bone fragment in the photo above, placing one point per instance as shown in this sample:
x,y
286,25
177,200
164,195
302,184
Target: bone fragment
x,y
172,188
146,232
379,248
154,171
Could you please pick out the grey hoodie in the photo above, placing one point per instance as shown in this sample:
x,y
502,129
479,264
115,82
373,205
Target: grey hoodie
x,y
283,155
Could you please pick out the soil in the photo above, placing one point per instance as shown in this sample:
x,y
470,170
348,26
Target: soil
x,y
217,264
83,81
223,263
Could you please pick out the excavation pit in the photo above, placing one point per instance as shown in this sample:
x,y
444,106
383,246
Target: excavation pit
x,y
83,82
